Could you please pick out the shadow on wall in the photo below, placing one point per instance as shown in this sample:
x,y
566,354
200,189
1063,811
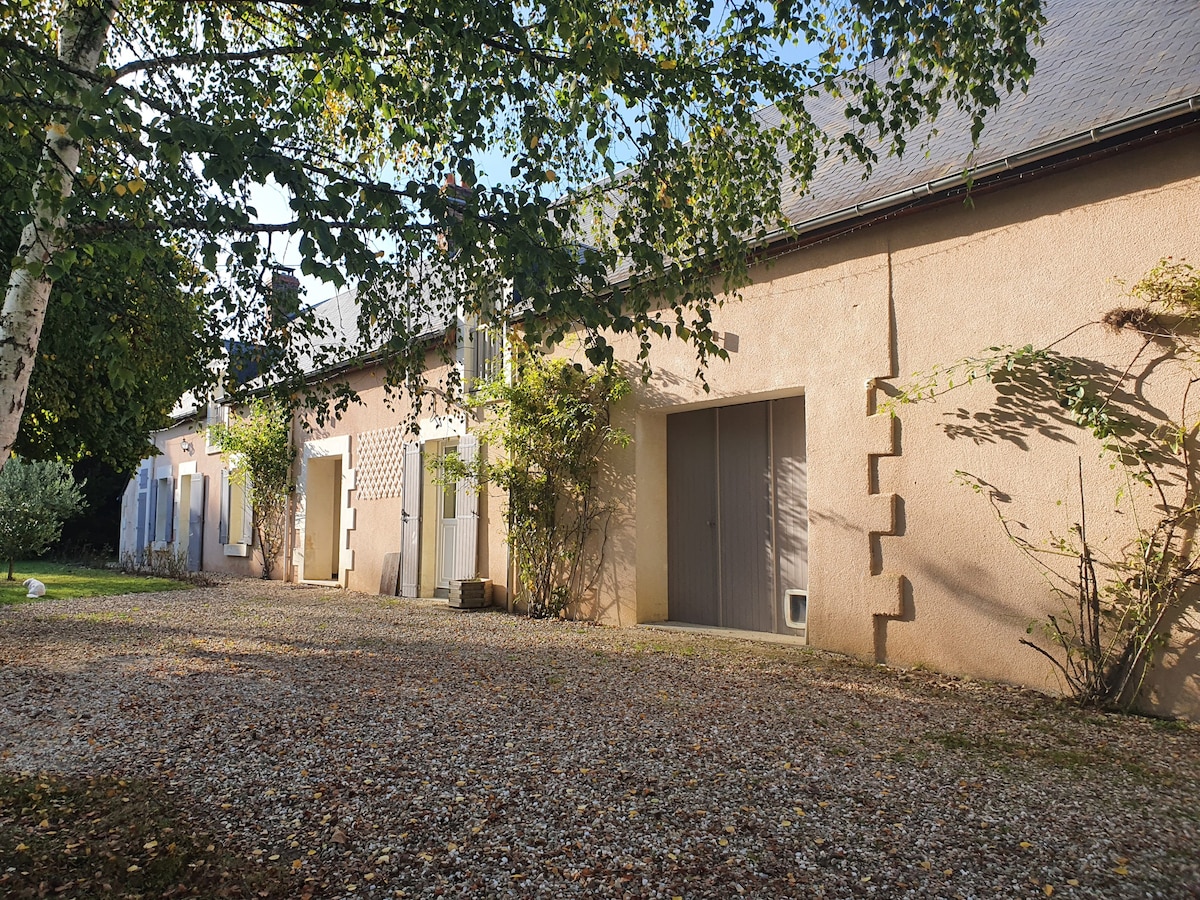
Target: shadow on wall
x,y
615,542
668,391
610,599
1116,411
1026,404
1177,666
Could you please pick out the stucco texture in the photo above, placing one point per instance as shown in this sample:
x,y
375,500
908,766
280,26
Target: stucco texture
x,y
908,566
207,463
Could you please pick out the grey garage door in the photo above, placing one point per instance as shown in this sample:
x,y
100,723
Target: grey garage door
x,y
737,515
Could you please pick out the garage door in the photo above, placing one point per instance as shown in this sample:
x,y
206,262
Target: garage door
x,y
737,516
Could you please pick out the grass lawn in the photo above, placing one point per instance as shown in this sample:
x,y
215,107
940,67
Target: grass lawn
x,y
63,580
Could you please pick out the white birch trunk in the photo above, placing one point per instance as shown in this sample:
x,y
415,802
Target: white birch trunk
x,y
83,33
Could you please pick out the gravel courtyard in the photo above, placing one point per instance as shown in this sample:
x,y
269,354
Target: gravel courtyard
x,y
372,747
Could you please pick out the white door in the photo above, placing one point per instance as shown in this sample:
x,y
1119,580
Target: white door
x,y
447,526
467,512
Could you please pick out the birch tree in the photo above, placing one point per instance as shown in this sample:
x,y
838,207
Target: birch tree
x,y
636,163
43,250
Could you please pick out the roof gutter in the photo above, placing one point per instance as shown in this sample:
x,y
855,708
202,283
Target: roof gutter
x,y
997,167
876,206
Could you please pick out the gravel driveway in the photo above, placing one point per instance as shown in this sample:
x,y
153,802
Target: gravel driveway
x,y
395,748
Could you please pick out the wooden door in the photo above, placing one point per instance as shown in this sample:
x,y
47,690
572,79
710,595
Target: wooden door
x,y
744,499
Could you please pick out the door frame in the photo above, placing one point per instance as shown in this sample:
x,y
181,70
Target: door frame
x,y
696,447
444,572
322,448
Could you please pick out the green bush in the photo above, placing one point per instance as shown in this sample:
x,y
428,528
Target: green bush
x,y
36,497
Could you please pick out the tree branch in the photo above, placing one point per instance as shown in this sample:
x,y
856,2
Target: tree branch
x,y
163,62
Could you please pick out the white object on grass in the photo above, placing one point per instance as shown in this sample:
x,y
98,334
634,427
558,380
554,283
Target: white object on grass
x,y
35,587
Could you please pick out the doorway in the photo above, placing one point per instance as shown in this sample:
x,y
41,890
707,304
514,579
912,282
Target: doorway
x,y
447,543
322,518
737,517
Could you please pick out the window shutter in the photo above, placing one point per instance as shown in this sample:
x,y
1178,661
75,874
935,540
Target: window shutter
x,y
410,519
152,511
143,532
195,535
247,535
168,524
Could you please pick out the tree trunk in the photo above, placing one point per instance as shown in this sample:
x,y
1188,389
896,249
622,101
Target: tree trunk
x,y
83,34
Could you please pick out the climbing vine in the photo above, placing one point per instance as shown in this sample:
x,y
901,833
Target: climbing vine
x,y
260,443
1120,607
552,424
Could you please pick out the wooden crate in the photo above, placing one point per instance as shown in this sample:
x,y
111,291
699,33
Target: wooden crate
x,y
473,593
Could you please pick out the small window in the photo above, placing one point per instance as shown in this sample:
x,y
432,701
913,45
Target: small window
x,y
450,493
481,353
218,414
795,609
236,529
489,352
164,506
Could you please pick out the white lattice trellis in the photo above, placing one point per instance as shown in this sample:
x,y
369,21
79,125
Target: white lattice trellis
x,y
380,463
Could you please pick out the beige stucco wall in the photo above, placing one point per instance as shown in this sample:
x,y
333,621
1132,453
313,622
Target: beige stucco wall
x,y
369,527
207,464
372,522
908,567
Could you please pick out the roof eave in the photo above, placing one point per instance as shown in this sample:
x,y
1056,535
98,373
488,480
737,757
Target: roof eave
x,y
1039,154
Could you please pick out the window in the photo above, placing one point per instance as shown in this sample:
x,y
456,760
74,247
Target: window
x,y
449,491
236,530
480,352
489,352
164,508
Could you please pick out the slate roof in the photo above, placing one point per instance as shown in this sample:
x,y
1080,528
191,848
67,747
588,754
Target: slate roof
x,y
428,296
1101,62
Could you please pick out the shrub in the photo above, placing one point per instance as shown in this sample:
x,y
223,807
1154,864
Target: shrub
x,y
36,497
